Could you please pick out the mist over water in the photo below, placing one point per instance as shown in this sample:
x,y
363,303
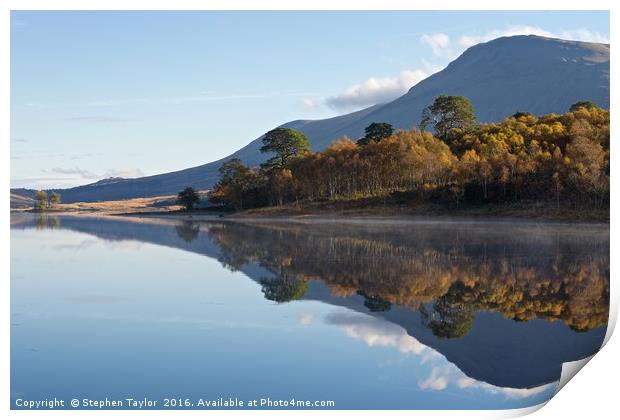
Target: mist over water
x,y
368,314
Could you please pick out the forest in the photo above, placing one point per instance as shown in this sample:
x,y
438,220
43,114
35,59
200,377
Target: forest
x,y
451,160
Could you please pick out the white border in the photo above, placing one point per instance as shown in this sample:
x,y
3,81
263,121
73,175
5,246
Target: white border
x,y
591,394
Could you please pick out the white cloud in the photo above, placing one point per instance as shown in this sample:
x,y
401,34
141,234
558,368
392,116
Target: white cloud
x,y
309,103
123,173
384,89
443,46
438,379
443,375
583,34
201,97
82,173
513,393
77,176
467,41
380,333
45,183
440,43
376,90
86,174
95,119
71,177
306,319
375,332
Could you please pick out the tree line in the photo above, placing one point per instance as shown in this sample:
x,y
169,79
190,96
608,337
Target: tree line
x,y
451,159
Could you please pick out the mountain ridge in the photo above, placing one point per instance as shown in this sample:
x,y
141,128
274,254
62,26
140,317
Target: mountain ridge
x,y
500,77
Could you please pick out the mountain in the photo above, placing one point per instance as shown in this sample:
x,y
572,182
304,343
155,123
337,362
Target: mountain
x,y
500,77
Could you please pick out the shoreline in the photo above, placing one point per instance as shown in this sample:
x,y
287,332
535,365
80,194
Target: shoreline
x,y
357,211
328,217
345,213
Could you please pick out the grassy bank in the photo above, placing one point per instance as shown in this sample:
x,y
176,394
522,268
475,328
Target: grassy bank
x,y
374,208
133,205
383,208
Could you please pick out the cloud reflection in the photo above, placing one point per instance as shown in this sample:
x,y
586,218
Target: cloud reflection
x,y
377,332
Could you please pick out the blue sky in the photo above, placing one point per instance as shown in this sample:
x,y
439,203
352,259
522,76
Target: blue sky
x,y
98,94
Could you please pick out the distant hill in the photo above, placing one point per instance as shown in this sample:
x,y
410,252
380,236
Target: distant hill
x,y
500,77
21,198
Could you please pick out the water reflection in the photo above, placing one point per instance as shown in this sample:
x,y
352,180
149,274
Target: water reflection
x,y
377,333
444,283
45,221
446,274
492,308
187,230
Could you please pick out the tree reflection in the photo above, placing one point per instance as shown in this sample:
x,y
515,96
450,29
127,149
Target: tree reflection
x,y
449,316
448,275
44,221
187,230
284,288
375,303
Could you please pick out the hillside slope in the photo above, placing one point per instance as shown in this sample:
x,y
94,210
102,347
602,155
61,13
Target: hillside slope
x,y
500,77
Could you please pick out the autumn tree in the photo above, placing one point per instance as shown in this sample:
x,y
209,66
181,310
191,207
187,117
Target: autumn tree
x,y
280,184
236,181
552,159
41,201
586,163
583,104
54,198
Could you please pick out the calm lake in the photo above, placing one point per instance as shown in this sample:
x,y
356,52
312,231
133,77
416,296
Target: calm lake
x,y
366,314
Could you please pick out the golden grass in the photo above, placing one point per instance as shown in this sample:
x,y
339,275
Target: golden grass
x,y
132,205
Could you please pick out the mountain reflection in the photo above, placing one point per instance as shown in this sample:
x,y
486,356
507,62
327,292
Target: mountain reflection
x,y
447,275
455,288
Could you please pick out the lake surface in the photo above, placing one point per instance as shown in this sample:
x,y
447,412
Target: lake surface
x,y
368,315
